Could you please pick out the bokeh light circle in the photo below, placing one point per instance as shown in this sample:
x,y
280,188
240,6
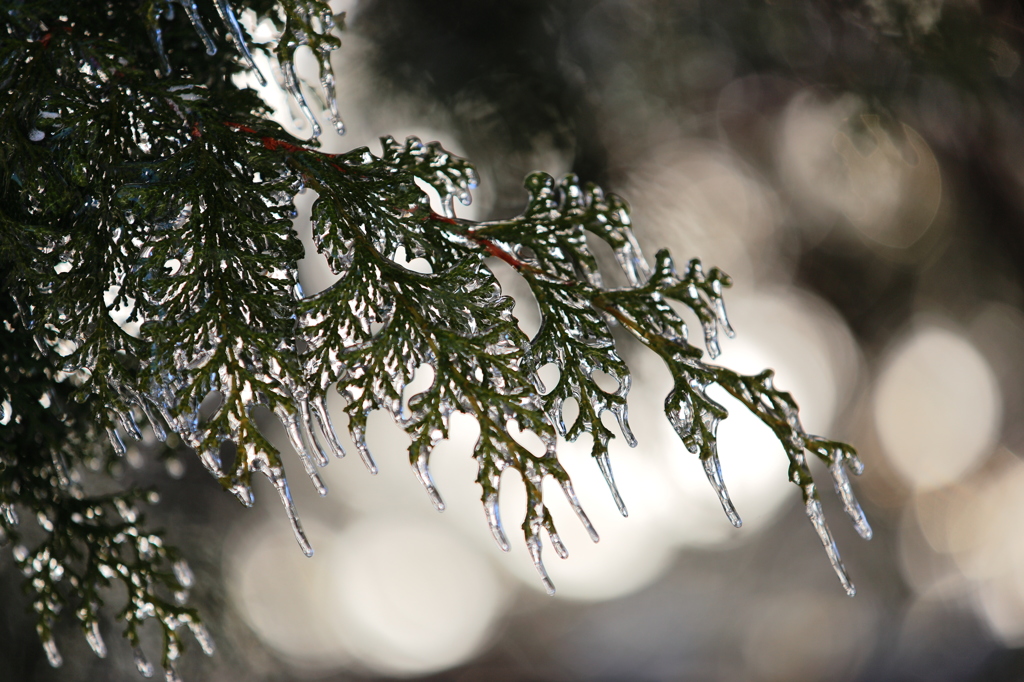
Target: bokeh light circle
x,y
937,406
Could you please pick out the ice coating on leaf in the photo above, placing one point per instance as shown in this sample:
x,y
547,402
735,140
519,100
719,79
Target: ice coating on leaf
x,y
452,177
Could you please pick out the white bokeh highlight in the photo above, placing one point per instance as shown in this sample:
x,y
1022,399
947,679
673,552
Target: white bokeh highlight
x,y
937,406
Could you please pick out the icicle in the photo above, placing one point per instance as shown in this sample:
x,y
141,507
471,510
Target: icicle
x,y
713,470
422,470
10,513
318,407
845,492
197,23
202,636
170,674
493,514
115,440
533,545
210,459
711,338
60,468
330,92
128,423
158,426
183,573
95,639
291,424
716,286
817,517
570,495
276,477
605,464
52,653
142,663
621,413
359,438
227,15
291,83
307,432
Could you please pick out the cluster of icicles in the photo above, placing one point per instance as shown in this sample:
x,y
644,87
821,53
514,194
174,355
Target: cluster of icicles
x,y
44,570
293,38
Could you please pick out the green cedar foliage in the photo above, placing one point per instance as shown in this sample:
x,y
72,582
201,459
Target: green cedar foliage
x,y
135,175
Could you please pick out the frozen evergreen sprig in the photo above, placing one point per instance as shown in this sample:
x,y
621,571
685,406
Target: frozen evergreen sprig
x,y
167,200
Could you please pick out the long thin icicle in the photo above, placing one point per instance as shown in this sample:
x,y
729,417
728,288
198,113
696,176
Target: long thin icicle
x,y
276,476
493,514
318,408
291,425
817,517
421,468
850,504
570,495
291,84
713,470
192,12
605,464
533,544
227,15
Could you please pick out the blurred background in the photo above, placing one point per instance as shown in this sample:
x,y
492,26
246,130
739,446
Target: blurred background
x,y
858,168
